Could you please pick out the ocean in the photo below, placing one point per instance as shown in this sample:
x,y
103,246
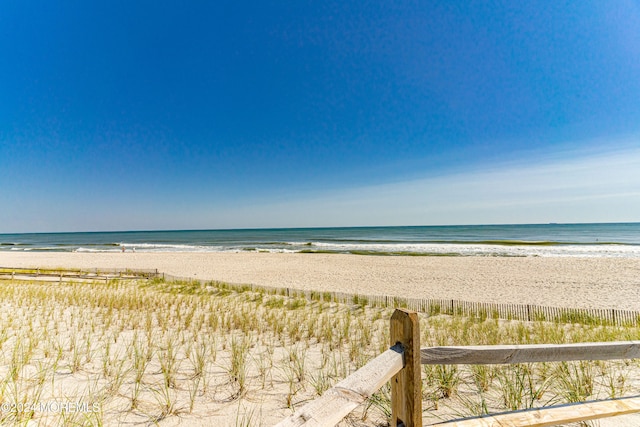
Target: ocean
x,y
578,240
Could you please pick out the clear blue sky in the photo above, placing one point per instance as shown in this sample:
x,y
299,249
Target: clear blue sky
x,y
125,115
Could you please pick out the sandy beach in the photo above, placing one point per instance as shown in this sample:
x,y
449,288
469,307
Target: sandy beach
x,y
552,281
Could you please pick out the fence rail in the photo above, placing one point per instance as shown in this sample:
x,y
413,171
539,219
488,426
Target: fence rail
x,y
526,353
344,397
570,413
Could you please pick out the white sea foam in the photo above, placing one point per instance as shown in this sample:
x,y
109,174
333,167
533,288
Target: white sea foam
x,y
472,249
91,250
167,247
627,251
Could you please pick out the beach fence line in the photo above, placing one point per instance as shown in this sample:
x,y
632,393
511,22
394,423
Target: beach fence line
x,y
69,274
401,366
524,312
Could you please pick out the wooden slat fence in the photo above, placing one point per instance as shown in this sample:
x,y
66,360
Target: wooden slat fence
x,y
524,312
64,274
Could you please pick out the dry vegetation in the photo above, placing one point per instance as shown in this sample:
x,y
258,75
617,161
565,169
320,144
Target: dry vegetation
x,y
161,353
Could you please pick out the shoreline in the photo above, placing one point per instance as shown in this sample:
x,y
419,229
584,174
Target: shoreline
x,y
550,281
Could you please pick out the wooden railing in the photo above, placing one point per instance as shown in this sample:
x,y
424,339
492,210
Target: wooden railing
x,y
348,394
401,365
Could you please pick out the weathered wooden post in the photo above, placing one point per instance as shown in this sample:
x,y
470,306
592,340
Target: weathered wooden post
x,y
406,393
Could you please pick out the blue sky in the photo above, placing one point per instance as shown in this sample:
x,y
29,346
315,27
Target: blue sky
x,y
127,115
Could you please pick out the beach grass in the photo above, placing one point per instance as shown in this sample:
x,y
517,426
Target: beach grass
x,y
157,352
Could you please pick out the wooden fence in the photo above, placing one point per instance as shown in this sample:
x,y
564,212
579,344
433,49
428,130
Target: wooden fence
x,y
401,365
74,275
525,312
